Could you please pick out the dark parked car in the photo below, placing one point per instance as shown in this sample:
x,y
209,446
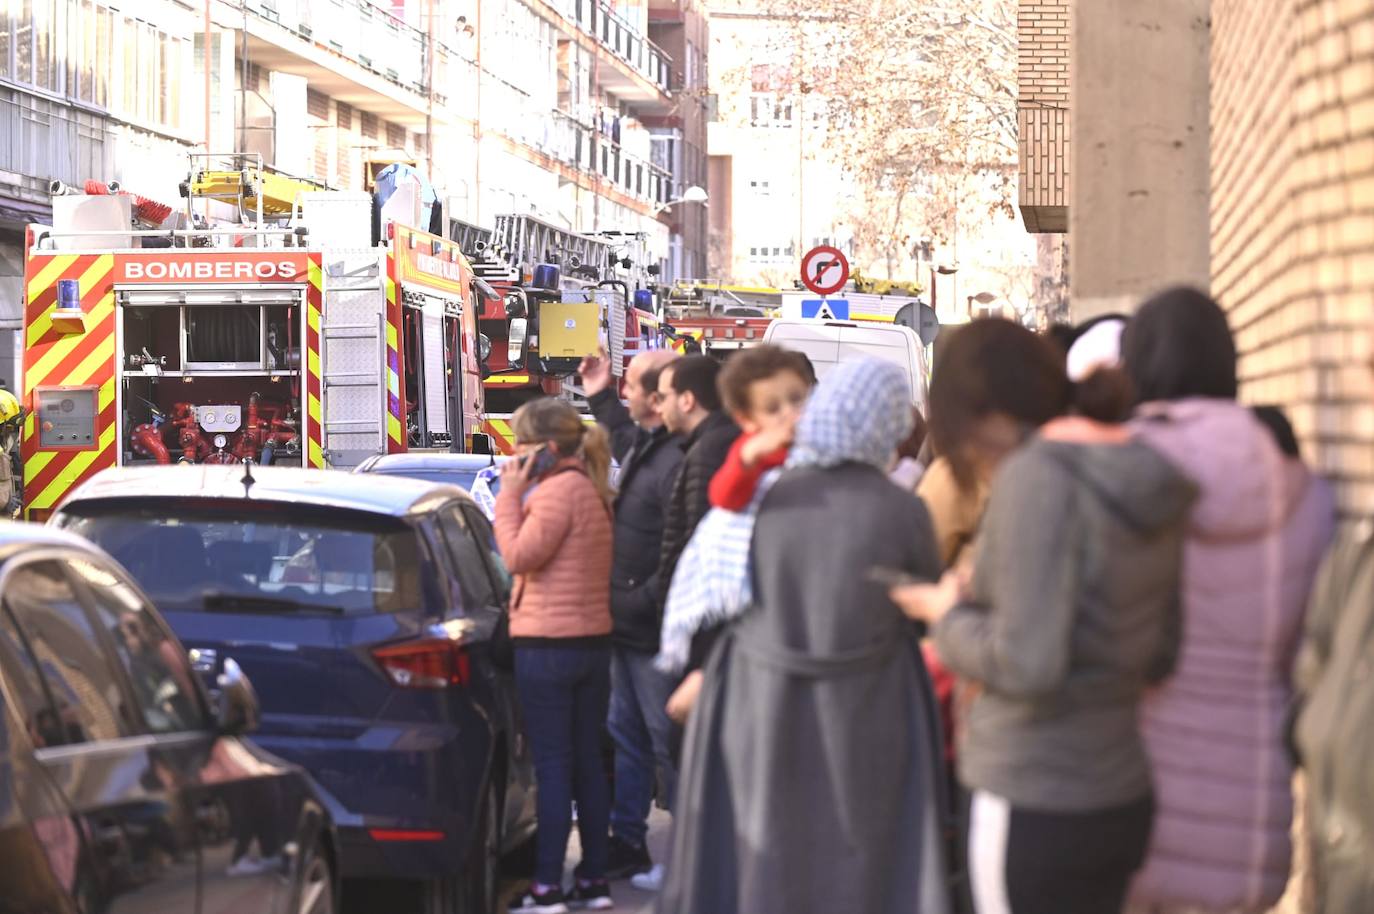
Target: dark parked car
x,y
362,609
123,787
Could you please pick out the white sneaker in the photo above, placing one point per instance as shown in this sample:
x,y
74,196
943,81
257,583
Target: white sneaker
x,y
651,881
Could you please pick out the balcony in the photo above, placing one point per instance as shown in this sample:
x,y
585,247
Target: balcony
x,y
650,65
389,53
581,147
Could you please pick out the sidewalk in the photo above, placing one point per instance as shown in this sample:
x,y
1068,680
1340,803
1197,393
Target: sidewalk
x,y
627,898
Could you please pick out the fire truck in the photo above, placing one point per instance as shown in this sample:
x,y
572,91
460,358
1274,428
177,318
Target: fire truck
x,y
285,334
721,319
560,295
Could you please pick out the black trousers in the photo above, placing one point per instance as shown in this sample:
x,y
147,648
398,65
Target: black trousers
x,y
1031,862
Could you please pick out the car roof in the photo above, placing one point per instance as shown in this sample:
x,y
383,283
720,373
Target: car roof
x,y
19,536
400,463
396,496
817,323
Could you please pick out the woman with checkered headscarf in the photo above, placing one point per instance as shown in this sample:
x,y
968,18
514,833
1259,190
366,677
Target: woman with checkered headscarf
x,y
811,776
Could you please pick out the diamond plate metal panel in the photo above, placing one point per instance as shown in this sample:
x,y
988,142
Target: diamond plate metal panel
x,y
353,340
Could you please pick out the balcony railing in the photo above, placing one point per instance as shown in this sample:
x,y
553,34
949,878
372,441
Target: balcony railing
x,y
581,146
361,32
597,19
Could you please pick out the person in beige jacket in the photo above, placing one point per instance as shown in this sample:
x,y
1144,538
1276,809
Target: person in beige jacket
x,y
553,527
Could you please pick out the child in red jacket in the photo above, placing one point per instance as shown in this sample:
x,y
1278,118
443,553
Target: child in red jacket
x,y
764,390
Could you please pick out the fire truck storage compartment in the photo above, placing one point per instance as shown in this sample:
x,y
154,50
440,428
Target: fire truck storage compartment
x,y
433,361
210,376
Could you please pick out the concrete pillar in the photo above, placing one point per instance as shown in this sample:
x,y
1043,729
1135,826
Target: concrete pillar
x,y
1139,210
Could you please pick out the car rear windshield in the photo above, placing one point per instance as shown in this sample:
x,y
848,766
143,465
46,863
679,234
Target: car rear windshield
x,y
263,558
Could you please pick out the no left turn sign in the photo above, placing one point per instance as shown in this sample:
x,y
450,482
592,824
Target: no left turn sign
x,y
824,270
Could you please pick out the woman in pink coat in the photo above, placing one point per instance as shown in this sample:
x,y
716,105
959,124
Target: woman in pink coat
x,y
1214,732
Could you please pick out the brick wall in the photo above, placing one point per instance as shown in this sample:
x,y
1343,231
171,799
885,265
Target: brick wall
x,y
1042,113
1293,218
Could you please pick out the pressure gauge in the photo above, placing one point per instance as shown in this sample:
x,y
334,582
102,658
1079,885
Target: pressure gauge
x,y
221,441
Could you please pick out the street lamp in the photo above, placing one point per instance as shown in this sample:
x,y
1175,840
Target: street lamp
x,y
982,298
693,194
943,270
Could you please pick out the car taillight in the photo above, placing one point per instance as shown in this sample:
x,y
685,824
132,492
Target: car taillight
x,y
404,834
433,663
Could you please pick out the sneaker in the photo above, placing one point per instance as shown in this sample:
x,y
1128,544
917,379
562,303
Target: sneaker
x,y
591,896
541,900
625,859
651,881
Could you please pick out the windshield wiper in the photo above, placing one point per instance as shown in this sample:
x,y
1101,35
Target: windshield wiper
x,y
239,602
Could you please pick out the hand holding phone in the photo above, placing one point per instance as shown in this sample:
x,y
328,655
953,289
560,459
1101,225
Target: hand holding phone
x,y
537,463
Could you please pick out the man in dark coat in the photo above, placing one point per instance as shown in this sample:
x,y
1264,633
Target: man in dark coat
x,y
691,407
649,456
811,776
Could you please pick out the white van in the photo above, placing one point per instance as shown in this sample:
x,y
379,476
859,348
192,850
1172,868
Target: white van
x,y
828,343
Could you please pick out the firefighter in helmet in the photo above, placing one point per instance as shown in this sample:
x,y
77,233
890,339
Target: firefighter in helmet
x,y
11,468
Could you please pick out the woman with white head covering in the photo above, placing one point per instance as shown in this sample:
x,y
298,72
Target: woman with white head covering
x,y
811,778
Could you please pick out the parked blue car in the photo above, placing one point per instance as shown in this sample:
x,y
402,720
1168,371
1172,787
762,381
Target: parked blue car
x,y
363,613
479,474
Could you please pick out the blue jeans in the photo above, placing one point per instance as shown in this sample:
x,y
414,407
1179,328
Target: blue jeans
x,y
564,694
640,726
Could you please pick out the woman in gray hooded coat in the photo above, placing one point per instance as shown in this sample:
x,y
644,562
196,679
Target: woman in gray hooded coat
x,y
811,772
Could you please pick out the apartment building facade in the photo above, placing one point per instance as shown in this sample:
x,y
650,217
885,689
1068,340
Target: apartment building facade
x,y
680,139
777,186
1229,144
544,107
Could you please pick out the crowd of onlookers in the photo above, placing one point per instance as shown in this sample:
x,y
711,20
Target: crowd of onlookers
x,y
1053,646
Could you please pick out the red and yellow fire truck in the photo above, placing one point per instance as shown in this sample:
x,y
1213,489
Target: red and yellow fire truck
x,y
301,343
560,296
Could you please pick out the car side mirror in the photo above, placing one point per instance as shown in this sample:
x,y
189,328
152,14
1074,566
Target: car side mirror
x,y
237,710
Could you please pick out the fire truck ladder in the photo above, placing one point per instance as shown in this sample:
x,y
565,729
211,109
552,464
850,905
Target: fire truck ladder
x,y
523,241
472,240
259,192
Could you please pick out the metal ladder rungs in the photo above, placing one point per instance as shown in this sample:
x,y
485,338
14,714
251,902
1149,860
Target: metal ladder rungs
x,y
363,425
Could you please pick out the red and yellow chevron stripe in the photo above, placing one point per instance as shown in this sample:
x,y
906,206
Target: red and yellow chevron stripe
x,y
314,413
53,358
501,435
395,367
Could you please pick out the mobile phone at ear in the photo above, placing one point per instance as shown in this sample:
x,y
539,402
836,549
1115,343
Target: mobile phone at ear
x,y
891,577
540,462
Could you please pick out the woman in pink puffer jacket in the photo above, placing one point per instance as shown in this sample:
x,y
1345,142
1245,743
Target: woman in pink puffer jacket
x,y
1214,732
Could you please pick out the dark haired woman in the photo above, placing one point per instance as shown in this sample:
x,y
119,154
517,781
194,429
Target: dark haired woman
x,y
1257,532
1065,621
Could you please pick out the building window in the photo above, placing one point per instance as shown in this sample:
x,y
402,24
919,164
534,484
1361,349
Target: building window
x,y
78,48
769,111
395,136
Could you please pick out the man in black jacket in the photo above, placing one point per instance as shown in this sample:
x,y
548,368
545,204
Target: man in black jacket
x,y
649,456
691,407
